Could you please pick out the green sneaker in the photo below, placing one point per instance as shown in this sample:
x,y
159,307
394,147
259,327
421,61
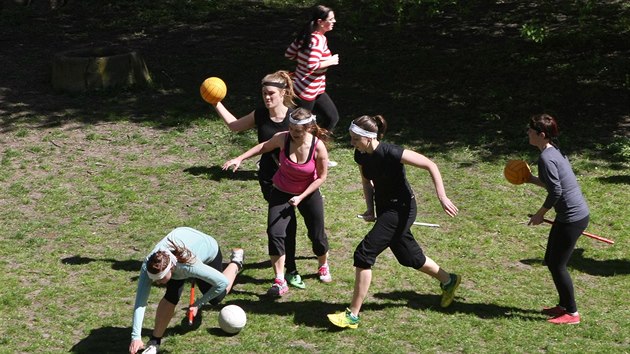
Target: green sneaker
x,y
344,319
448,292
294,279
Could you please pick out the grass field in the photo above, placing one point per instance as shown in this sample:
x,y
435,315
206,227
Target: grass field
x,y
90,182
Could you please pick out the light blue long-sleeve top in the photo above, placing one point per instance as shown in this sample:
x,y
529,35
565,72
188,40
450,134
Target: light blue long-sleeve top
x,y
204,248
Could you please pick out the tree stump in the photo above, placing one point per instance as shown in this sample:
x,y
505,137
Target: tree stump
x,y
98,68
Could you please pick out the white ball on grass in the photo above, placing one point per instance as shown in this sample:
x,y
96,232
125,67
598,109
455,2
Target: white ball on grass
x,y
232,319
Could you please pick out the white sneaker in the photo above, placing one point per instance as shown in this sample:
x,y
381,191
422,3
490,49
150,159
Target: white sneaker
x,y
238,257
332,163
152,348
324,274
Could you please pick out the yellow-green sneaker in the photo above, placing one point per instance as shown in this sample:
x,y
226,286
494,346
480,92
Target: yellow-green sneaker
x,y
294,279
448,291
344,319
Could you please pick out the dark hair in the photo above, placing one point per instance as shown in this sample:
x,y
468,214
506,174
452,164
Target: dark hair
x,y
313,128
282,78
319,12
375,124
544,123
159,260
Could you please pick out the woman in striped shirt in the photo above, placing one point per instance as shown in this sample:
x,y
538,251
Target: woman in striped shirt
x,y
310,50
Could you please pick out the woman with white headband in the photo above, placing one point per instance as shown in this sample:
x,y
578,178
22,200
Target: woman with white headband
x,y
385,186
279,99
303,169
185,253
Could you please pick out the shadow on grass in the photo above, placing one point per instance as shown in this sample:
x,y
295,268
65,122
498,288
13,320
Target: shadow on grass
x,y
313,313
417,301
216,173
117,339
603,268
104,340
127,265
243,278
463,77
310,313
619,179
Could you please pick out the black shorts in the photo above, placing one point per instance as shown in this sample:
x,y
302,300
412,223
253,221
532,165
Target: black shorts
x,y
175,287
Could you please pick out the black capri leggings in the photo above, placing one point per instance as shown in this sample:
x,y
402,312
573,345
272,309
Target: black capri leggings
x,y
266,186
560,245
281,214
174,287
392,230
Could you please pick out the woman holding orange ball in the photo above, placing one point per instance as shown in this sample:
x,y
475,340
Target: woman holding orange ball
x,y
572,214
278,97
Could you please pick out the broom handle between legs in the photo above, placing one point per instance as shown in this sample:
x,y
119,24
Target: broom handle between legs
x,y
588,234
192,301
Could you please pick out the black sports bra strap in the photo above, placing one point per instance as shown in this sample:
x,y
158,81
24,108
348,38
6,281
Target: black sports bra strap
x,y
287,145
311,151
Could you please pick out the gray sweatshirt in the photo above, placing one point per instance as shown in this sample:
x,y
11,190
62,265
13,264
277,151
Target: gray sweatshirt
x,y
563,191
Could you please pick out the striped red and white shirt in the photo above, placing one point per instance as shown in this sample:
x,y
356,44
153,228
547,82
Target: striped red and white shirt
x,y
309,79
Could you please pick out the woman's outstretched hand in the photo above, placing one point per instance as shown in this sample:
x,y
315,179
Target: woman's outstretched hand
x,y
233,162
448,206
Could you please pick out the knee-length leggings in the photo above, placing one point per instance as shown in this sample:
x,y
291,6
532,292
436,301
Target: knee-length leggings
x,y
290,243
280,215
392,229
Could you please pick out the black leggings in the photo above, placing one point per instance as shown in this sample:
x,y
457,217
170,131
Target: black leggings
x,y
560,245
325,110
280,216
266,186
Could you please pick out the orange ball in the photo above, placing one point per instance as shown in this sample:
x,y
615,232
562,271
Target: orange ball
x,y
213,90
517,171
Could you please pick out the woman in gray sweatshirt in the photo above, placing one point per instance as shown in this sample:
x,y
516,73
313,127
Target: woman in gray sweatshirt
x,y
572,214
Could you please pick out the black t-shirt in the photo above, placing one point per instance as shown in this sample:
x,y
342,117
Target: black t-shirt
x,y
266,129
384,169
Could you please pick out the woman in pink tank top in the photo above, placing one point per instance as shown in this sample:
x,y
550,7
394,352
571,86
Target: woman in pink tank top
x,y
303,169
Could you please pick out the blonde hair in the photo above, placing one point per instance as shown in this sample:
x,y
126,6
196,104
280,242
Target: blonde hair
x,y
283,79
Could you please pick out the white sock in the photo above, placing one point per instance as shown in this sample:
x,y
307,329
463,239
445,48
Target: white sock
x,y
280,276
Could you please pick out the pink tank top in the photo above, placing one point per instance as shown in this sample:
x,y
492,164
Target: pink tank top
x,y
293,177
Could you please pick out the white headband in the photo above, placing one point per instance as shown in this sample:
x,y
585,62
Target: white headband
x,y
362,132
312,118
163,273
